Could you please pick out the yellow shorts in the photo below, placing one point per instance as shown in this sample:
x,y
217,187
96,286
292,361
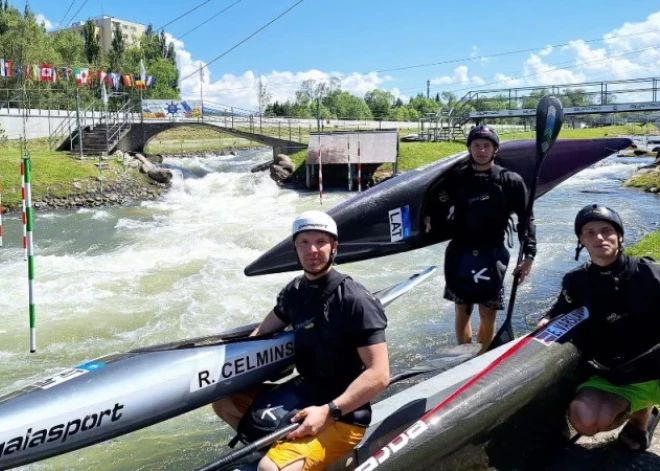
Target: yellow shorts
x,y
319,451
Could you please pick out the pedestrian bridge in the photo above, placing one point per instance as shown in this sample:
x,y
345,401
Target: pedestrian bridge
x,y
138,135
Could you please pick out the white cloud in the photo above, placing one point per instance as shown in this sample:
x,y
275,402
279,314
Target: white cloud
x,y
546,51
476,53
503,80
41,18
240,90
459,77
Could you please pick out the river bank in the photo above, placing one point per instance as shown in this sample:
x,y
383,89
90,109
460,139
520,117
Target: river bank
x,y
61,181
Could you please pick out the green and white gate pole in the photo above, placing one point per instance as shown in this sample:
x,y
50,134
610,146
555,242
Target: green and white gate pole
x,y
30,250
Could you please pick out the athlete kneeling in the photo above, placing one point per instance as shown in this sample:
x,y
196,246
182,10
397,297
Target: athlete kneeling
x,y
340,353
622,342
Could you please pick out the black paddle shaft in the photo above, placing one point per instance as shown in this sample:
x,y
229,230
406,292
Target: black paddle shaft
x,y
549,119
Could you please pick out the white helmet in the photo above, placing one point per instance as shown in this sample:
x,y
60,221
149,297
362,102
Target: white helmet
x,y
314,221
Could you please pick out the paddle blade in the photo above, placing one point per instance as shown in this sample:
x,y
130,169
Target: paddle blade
x,y
549,119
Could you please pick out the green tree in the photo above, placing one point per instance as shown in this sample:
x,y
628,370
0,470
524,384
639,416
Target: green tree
x,y
342,105
449,99
424,106
379,102
92,44
117,49
576,97
70,46
531,101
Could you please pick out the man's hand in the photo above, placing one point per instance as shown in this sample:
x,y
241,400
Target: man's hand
x,y
542,322
523,269
315,418
427,224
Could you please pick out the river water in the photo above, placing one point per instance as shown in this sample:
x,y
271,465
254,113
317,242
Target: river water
x,y
113,279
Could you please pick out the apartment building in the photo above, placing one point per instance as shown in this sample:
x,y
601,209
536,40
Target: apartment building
x,y
105,28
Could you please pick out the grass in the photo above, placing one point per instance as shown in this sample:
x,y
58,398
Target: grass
x,y
53,173
645,181
195,139
649,245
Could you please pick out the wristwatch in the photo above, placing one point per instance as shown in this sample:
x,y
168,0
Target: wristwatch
x,y
335,412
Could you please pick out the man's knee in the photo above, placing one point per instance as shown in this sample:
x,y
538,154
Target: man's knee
x,y
487,314
594,411
227,411
266,464
583,418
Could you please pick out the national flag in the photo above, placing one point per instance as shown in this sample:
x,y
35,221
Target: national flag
x,y
100,75
150,80
9,69
67,72
46,73
143,73
55,75
116,80
17,70
140,85
3,72
127,80
36,72
82,76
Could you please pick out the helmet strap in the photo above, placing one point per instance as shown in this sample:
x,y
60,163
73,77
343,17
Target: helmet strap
x,y
578,249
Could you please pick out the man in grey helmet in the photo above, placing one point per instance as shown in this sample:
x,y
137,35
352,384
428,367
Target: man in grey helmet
x,y
622,334
340,353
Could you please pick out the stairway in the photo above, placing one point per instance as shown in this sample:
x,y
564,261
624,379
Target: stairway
x,y
97,140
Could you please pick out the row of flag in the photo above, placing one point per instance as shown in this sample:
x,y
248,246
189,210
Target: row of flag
x,y
83,75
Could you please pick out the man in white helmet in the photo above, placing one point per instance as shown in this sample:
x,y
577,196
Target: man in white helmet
x,y
340,353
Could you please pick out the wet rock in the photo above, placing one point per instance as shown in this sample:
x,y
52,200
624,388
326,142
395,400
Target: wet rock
x,y
279,174
284,162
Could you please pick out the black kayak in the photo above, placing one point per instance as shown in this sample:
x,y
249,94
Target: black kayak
x,y
499,408
387,218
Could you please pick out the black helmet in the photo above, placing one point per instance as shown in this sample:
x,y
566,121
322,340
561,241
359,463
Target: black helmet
x,y
483,132
596,212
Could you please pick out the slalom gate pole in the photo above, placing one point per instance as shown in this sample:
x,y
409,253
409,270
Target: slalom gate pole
x,y
23,215
30,250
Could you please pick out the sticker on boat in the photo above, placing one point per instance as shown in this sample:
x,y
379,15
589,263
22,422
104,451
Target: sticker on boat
x,y
400,225
562,325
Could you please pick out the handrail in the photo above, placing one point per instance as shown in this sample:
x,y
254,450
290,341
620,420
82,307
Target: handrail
x,y
65,128
121,120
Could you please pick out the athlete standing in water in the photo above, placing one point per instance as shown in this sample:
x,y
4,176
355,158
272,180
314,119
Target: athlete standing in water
x,y
622,338
480,199
340,353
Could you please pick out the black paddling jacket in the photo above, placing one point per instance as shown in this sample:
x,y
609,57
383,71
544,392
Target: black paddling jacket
x,y
329,332
623,300
483,201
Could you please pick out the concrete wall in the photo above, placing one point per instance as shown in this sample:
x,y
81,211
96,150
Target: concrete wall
x,y
40,123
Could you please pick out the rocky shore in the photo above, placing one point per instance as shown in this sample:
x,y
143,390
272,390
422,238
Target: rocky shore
x,y
647,177
114,186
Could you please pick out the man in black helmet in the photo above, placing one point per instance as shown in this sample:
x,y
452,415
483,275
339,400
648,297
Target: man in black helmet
x,y
480,198
622,333
340,354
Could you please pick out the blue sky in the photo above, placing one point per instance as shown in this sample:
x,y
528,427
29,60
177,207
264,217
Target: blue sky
x,y
361,41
